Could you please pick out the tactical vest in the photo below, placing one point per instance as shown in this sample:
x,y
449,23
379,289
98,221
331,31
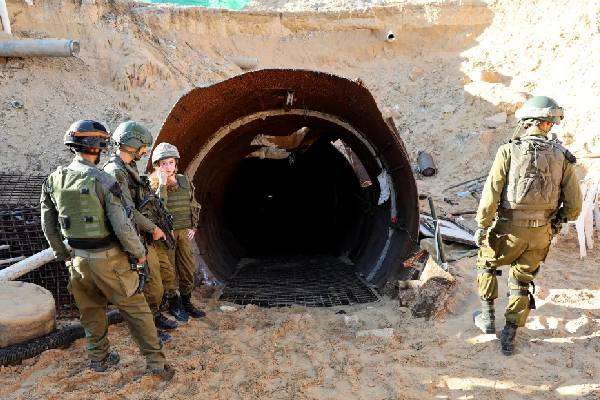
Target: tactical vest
x,y
534,177
179,203
80,213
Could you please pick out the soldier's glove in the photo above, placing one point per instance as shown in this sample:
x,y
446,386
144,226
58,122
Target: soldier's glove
x,y
481,236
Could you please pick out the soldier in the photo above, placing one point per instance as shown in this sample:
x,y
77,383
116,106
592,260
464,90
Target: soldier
x,y
530,191
134,141
178,194
82,204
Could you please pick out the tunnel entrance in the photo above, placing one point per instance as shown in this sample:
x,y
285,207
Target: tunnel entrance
x,y
304,188
304,205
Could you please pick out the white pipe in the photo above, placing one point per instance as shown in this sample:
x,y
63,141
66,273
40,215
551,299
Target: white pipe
x,y
39,48
4,246
11,260
387,35
4,17
27,265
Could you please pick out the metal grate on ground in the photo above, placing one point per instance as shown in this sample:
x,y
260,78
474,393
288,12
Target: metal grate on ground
x,y
18,189
21,230
324,282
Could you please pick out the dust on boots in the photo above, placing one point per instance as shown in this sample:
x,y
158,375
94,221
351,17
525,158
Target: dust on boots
x,y
485,319
507,339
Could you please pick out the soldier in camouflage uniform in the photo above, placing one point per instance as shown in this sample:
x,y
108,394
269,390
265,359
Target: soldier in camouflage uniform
x,y
134,141
83,205
530,191
178,194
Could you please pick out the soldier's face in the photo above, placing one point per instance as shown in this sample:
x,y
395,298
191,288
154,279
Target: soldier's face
x,y
545,126
141,153
168,166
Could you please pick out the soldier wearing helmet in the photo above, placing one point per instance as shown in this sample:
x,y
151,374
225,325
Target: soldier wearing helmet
x,y
530,191
178,194
82,205
134,140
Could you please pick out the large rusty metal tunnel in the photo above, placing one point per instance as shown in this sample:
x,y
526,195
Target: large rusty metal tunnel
x,y
295,165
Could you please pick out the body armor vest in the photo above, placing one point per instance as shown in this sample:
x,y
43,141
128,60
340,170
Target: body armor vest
x,y
179,204
534,177
80,212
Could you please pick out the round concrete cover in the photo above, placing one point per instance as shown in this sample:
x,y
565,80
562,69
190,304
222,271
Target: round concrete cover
x,y
27,311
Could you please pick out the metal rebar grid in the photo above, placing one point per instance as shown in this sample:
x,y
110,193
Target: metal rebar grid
x,y
319,282
21,231
20,189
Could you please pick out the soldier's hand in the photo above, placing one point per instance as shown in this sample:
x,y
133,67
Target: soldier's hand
x,y
141,260
191,233
481,236
162,178
158,234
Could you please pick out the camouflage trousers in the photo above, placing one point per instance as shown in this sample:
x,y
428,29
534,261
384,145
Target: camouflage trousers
x,y
523,249
100,277
177,266
154,290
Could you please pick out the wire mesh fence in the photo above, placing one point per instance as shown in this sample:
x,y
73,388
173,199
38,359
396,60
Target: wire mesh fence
x,y
21,231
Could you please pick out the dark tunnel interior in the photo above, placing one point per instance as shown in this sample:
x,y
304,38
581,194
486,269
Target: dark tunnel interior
x,y
308,204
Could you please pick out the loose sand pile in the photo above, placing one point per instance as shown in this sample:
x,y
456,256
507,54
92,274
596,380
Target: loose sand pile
x,y
452,66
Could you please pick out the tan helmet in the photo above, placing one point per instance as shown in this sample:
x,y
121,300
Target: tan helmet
x,y
164,150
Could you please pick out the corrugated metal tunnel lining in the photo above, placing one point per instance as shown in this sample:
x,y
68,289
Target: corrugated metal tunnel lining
x,y
263,150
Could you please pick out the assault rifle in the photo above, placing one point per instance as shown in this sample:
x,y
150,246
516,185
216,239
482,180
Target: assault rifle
x,y
153,207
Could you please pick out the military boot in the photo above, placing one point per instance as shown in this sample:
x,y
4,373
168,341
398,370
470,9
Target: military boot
x,y
163,336
163,322
166,374
485,319
507,339
190,308
176,309
112,358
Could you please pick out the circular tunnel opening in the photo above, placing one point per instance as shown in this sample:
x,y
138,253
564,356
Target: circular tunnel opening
x,y
307,194
303,205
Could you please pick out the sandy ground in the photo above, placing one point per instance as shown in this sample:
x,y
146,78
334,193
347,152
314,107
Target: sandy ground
x,y
136,61
303,353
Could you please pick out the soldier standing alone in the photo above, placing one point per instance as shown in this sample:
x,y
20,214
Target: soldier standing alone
x,y
82,204
530,191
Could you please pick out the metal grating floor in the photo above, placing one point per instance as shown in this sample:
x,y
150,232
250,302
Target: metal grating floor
x,y
318,282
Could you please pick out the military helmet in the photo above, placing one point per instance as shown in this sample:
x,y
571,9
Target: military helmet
x,y
85,134
541,108
132,134
164,150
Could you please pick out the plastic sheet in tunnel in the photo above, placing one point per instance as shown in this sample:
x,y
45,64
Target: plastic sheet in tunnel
x,y
311,282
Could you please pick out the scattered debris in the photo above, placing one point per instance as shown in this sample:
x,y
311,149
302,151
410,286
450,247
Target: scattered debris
x,y
16,104
450,230
452,251
427,296
225,308
426,164
416,73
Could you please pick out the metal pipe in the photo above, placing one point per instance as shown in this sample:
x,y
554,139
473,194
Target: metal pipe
x,y
426,164
27,265
39,48
11,260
